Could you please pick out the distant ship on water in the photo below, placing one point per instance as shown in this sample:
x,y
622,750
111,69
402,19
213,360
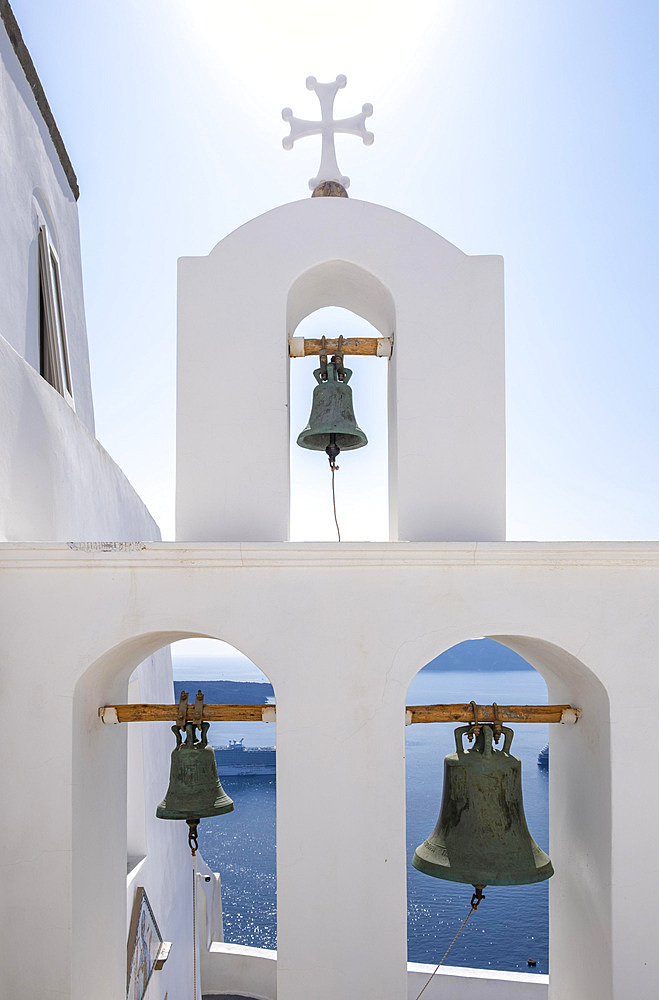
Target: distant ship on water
x,y
235,758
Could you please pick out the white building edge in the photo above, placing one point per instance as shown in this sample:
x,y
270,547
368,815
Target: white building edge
x,y
89,593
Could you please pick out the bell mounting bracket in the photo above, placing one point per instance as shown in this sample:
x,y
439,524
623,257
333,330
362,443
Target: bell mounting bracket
x,y
198,711
322,357
182,713
182,710
337,360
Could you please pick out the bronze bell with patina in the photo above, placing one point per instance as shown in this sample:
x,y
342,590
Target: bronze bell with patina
x,y
481,836
332,423
194,786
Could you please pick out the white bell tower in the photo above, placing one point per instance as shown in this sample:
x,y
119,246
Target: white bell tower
x,y
238,309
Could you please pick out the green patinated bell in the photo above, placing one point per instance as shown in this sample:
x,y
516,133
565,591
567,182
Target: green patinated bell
x,y
481,836
194,786
332,414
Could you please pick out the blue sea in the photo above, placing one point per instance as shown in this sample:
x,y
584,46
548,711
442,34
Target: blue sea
x,y
511,925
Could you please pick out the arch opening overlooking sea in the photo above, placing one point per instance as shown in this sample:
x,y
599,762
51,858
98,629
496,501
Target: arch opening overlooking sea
x,y
510,929
241,845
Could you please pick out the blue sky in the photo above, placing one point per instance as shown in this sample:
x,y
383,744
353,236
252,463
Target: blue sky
x,y
522,128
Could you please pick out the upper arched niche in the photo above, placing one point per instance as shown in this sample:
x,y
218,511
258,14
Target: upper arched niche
x,y
236,310
341,283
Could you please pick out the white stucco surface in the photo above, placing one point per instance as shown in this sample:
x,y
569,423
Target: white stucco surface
x,y
239,970
583,614
475,984
57,483
238,306
242,971
35,191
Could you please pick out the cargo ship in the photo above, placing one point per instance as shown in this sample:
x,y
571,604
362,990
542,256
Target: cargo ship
x,y
235,758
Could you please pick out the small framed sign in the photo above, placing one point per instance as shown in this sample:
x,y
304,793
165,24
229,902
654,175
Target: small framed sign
x,y
144,941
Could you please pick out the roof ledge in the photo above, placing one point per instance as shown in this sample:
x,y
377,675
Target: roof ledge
x,y
24,58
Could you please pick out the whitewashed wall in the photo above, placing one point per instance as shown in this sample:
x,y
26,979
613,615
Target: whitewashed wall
x,y
475,984
239,970
35,190
235,969
583,614
58,483
238,306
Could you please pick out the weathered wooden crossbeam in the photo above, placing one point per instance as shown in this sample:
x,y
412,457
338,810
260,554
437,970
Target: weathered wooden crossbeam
x,y
486,713
170,713
112,714
302,347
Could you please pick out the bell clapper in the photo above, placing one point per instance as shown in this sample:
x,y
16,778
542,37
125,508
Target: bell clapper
x,y
332,452
477,896
193,825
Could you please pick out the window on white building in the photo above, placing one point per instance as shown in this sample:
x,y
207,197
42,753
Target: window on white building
x,y
54,364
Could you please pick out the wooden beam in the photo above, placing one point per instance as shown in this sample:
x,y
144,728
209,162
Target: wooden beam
x,y
506,713
414,713
302,347
169,713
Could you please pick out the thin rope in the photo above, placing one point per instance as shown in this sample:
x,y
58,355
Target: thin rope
x,y
334,468
441,962
194,928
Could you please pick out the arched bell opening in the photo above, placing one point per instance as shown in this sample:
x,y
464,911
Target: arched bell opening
x,y
108,820
579,812
361,484
511,926
580,821
241,845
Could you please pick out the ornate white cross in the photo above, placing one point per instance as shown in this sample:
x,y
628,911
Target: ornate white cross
x,y
327,127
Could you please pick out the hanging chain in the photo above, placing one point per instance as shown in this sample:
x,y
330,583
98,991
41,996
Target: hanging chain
x,y
194,927
334,467
333,448
475,900
194,846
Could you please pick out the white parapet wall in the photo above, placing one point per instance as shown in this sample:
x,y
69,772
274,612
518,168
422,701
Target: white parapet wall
x,y
236,969
475,984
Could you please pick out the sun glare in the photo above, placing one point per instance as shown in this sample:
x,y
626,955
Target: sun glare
x,y
256,47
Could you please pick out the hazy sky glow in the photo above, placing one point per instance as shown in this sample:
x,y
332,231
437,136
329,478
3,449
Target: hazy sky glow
x,y
210,659
526,129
